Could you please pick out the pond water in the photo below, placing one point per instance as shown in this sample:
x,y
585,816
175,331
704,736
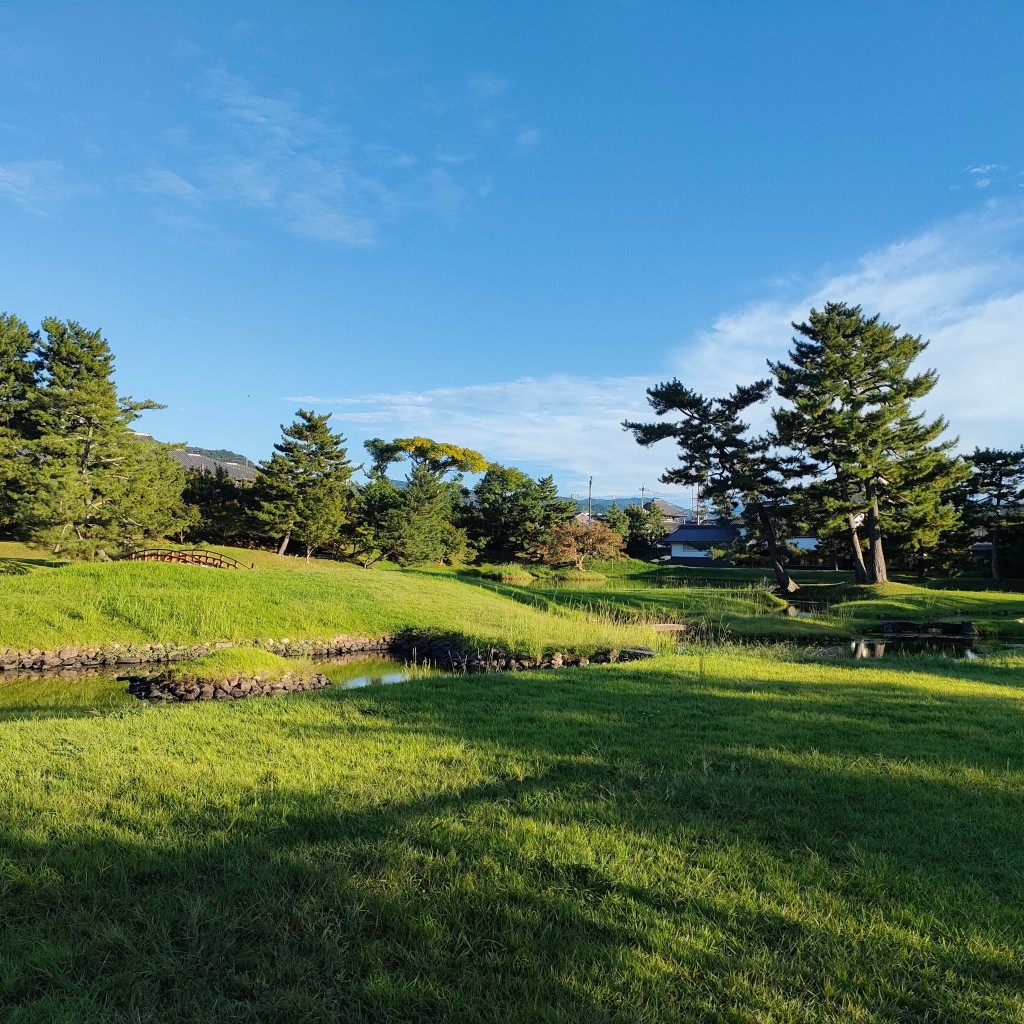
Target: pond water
x,y
930,646
99,691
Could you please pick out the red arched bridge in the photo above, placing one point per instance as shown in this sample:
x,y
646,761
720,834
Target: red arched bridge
x,y
189,556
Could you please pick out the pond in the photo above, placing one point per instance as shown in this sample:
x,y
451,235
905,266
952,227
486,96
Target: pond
x,y
928,646
100,691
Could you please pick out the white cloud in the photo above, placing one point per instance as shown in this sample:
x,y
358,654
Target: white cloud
x,y
569,426
959,284
40,186
486,86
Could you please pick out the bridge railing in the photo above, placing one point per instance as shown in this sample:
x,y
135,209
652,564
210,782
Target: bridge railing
x,y
189,556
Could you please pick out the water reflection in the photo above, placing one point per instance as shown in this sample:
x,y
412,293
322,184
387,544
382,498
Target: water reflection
x,y
888,648
353,671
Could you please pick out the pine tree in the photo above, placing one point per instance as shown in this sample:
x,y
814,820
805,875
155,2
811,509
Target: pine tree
x,y
92,483
737,471
875,462
616,519
995,502
223,509
17,343
305,489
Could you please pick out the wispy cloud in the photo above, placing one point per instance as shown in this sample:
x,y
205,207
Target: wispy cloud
x,y
959,284
486,86
983,175
158,181
565,425
301,169
41,186
528,139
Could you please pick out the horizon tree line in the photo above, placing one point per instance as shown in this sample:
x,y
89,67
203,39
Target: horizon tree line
x,y
846,456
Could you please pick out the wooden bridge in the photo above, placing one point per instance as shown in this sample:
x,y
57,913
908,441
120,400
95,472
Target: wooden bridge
x,y
189,556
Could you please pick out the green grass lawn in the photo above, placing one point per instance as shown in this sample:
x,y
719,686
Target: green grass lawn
x,y
140,601
723,836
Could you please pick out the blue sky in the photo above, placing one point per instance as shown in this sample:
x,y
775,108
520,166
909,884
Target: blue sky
x,y
496,224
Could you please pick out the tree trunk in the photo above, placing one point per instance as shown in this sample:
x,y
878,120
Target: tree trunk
x,y
878,568
284,544
860,572
309,552
782,577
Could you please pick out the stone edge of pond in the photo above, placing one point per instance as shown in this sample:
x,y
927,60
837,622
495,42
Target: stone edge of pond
x,y
159,689
447,653
114,655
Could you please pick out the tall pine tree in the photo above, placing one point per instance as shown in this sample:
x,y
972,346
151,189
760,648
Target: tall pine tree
x,y
305,489
91,483
17,343
876,463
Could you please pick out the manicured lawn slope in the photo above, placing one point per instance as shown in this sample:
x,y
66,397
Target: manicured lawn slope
x,y
128,601
725,836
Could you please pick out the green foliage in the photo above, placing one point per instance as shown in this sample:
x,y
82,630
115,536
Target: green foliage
x,y
850,392
89,482
616,519
512,515
224,511
645,527
17,343
305,489
435,457
995,503
737,471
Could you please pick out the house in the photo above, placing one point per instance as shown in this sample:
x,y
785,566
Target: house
x,y
672,515
691,543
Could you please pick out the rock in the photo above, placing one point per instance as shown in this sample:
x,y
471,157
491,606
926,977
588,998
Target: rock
x,y
637,653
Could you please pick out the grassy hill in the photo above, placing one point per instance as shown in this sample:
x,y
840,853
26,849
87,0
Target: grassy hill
x,y
147,602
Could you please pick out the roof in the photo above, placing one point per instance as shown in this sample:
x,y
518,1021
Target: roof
x,y
204,464
666,508
703,533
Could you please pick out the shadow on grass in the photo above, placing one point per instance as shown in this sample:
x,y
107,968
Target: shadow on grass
x,y
629,845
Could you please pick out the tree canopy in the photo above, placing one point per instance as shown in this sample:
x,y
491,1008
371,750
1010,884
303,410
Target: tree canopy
x,y
87,481
874,462
739,471
305,488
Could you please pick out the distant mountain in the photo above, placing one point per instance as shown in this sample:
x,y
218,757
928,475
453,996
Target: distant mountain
x,y
601,505
221,455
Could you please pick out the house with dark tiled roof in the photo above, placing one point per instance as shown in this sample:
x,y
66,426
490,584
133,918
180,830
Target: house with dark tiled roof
x,y
691,543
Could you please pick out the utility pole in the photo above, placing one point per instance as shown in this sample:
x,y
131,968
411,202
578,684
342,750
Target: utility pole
x,y
590,500
643,491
